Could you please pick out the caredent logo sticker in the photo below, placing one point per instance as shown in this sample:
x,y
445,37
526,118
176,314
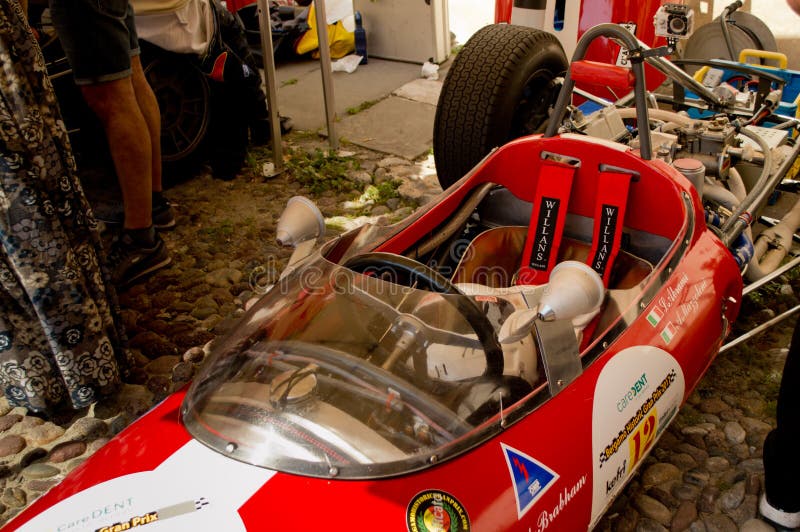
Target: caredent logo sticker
x,y
436,511
637,393
530,477
639,386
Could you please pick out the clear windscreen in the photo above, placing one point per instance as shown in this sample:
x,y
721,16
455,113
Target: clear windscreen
x,y
338,373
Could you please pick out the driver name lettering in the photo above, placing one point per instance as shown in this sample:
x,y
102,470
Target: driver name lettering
x,y
673,293
684,310
608,226
545,226
690,307
546,518
637,418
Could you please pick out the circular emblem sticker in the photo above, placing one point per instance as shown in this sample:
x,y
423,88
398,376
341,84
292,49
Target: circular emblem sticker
x,y
436,511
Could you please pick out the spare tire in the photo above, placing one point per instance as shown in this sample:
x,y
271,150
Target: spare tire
x,y
746,31
501,85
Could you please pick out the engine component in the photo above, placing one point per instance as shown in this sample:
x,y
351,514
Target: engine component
x,y
709,142
694,170
605,124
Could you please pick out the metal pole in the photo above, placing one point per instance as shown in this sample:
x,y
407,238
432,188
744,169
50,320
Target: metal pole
x,y
268,55
325,67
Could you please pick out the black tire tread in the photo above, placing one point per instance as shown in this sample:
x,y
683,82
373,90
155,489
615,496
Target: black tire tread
x,y
477,81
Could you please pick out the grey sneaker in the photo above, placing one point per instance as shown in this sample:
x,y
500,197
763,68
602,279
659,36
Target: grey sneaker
x,y
130,262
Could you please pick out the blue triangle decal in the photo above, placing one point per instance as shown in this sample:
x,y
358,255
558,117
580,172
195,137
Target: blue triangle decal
x,y
530,477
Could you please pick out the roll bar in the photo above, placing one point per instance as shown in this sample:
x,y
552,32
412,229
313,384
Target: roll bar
x,y
638,53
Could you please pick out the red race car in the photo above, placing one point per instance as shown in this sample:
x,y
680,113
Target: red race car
x,y
503,359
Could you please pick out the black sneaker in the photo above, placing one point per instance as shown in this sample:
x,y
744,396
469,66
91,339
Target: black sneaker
x,y
130,262
163,217
113,213
783,519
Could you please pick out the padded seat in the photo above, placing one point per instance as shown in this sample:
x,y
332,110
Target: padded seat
x,y
493,257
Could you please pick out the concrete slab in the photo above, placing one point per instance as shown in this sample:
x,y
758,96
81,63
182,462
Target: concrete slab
x,y
421,90
299,87
395,125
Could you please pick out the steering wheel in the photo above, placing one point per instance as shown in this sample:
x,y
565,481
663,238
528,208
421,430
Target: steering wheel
x,y
420,274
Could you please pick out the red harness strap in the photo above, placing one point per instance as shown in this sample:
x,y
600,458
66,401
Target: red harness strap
x,y
609,218
609,215
548,216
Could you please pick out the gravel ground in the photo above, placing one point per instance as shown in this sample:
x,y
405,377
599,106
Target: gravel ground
x,y
705,474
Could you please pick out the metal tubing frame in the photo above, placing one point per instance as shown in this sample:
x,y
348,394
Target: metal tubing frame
x,y
755,285
761,328
630,42
755,199
672,71
640,91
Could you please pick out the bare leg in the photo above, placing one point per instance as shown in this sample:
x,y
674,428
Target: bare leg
x,y
149,107
115,103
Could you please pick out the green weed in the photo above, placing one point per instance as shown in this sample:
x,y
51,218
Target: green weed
x,y
321,171
363,106
382,191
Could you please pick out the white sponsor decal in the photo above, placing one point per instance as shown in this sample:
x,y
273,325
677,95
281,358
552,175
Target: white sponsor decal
x,y
194,489
651,384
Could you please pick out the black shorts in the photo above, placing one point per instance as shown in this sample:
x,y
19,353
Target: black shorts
x,y
98,37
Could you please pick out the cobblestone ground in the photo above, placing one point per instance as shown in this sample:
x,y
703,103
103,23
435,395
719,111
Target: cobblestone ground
x,y
704,475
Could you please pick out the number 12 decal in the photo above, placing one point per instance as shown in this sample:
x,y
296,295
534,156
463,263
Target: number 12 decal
x,y
643,438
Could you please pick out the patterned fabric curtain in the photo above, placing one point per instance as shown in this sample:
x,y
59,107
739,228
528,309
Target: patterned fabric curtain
x,y
59,345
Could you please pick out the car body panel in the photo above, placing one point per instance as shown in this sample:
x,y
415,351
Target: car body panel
x,y
554,463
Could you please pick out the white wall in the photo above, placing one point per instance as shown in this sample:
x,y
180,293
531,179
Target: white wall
x,y
468,16
778,16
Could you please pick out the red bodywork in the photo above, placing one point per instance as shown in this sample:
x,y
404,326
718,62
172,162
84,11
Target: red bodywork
x,y
695,289
602,49
598,12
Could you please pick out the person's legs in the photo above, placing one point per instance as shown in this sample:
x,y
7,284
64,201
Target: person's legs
x,y
129,139
148,105
100,41
781,501
162,216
